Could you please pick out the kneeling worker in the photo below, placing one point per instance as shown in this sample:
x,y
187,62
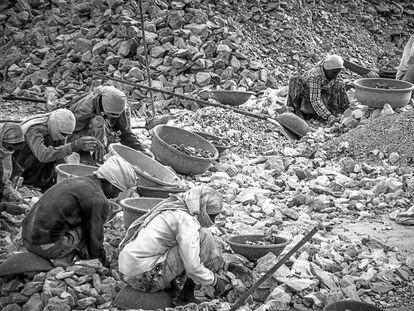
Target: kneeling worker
x,y
69,218
319,92
172,238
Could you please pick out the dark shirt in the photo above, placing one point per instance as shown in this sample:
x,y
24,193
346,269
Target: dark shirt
x,y
74,202
88,107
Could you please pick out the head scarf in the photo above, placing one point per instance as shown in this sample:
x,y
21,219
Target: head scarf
x,y
113,100
200,201
333,62
9,133
57,122
118,172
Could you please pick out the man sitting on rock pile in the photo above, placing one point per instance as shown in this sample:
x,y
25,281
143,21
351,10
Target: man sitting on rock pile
x,y
320,92
69,218
101,114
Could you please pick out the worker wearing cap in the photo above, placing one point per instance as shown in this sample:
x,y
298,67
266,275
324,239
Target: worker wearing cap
x,y
319,92
45,146
69,218
101,114
405,70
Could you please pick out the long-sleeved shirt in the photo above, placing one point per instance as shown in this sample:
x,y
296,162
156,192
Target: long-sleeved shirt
x,y
87,108
168,229
318,83
42,146
407,58
73,202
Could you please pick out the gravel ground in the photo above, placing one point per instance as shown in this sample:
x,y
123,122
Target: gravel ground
x,y
377,139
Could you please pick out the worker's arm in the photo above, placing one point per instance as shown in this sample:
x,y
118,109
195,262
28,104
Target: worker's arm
x,y
128,138
93,220
35,138
186,230
316,98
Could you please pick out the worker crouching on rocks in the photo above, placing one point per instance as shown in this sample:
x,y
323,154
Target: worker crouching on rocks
x,y
101,114
11,139
172,239
319,92
69,218
405,70
45,146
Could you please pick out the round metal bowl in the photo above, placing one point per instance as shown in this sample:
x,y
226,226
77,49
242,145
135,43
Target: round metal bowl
x,y
254,252
397,96
158,192
149,172
232,98
215,141
351,305
164,136
294,123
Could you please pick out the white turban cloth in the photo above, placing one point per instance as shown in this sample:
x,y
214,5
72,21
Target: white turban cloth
x,y
118,172
113,100
333,62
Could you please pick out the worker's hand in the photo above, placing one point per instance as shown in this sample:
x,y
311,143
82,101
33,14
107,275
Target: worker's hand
x,y
332,119
220,286
10,194
99,153
241,271
11,208
87,143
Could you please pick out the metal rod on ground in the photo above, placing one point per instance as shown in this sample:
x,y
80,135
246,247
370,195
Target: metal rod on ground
x,y
198,101
272,270
146,56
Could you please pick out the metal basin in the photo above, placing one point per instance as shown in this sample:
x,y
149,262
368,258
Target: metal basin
x,y
397,96
255,251
158,192
150,172
351,305
136,207
293,123
232,98
164,136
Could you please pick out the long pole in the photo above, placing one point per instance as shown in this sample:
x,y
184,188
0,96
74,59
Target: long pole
x,y
272,270
146,56
199,101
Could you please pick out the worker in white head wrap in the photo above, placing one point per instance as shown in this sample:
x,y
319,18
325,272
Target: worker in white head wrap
x,y
172,238
319,92
118,172
101,114
45,144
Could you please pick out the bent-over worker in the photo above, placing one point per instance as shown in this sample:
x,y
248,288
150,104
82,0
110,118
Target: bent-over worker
x,y
405,70
172,238
69,218
11,139
101,113
319,92
45,145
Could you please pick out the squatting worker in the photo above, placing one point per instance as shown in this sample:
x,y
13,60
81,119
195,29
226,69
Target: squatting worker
x,y
101,114
173,238
11,139
319,92
69,218
45,145
405,70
